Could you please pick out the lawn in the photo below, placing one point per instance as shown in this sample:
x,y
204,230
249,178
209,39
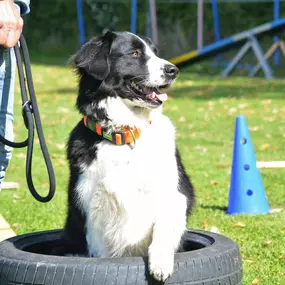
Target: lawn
x,y
203,110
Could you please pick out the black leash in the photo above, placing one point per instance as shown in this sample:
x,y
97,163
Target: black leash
x,y
31,116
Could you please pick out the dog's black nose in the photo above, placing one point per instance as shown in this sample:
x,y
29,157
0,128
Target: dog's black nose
x,y
171,70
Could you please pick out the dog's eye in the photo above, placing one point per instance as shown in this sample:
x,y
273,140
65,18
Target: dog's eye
x,y
135,53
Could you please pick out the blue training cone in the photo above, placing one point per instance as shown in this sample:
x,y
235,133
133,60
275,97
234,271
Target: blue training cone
x,y
247,195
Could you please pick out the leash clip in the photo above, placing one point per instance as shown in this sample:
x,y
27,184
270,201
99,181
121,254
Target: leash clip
x,y
26,108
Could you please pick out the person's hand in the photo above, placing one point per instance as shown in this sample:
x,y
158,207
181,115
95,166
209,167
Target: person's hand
x,y
11,24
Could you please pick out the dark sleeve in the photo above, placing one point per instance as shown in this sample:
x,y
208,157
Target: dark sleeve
x,y
24,6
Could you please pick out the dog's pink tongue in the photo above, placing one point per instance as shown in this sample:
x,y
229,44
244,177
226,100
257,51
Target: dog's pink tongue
x,y
161,97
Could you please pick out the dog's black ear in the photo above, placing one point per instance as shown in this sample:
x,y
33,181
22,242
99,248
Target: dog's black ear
x,y
93,56
150,43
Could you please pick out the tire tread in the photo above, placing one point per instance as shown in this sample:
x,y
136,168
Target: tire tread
x,y
221,266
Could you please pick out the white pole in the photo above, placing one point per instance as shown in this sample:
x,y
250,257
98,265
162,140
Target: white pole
x,y
270,164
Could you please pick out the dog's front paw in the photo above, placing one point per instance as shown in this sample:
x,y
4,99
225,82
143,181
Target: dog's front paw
x,y
161,265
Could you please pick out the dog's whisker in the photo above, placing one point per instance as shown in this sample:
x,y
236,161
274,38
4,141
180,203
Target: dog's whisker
x,y
138,77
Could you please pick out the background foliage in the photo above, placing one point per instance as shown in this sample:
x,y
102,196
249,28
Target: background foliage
x,y
51,27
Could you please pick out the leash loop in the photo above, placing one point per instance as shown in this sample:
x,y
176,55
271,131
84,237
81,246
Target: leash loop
x,y
31,117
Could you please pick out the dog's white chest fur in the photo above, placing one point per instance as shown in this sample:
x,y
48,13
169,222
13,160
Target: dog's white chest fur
x,y
123,190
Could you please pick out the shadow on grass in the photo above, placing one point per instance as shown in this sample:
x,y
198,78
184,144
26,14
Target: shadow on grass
x,y
204,87
58,91
230,91
215,207
49,60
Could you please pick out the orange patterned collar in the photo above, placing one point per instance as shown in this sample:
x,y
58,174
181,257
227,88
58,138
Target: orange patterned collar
x,y
124,136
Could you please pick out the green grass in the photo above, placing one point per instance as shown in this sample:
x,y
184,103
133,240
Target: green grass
x,y
203,110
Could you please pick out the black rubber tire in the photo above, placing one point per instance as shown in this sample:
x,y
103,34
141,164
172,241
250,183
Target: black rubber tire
x,y
207,259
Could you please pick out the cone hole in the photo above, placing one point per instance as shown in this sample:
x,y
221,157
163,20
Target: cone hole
x,y
246,167
249,192
243,140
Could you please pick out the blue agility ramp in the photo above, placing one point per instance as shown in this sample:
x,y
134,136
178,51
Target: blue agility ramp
x,y
250,40
246,195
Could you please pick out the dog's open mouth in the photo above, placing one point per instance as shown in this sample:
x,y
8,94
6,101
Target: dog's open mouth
x,y
150,94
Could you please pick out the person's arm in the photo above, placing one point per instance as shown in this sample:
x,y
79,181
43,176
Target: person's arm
x,y
24,6
11,24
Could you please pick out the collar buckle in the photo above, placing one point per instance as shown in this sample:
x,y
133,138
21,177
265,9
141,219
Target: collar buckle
x,y
118,138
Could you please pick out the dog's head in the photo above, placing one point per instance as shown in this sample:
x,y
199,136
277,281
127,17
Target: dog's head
x,y
128,66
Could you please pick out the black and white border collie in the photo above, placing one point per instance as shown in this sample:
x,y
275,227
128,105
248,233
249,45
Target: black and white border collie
x,y
131,199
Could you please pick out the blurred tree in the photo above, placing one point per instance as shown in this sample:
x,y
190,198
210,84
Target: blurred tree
x,y
51,28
